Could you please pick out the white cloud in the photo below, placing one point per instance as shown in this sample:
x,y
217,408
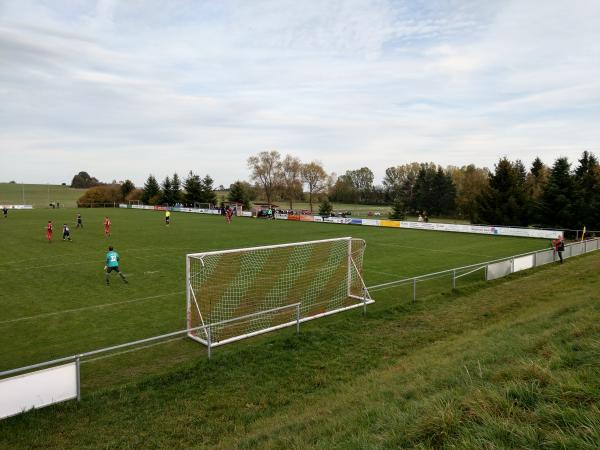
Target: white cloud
x,y
122,89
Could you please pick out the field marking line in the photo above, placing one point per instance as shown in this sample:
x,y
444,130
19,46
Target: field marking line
x,y
84,308
135,249
96,261
132,350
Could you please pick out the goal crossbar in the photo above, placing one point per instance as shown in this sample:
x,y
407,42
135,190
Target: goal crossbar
x,y
239,293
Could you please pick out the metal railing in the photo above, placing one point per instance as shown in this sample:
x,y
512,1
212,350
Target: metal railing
x,y
206,328
460,272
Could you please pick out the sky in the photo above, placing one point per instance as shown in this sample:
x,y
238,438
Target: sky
x,y
122,89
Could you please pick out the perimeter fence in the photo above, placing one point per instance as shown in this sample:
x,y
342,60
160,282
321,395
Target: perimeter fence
x,y
449,279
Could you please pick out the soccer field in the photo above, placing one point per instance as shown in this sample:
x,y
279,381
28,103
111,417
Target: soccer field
x,y
54,301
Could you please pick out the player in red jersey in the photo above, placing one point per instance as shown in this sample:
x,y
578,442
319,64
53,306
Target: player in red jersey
x,y
107,226
49,229
229,214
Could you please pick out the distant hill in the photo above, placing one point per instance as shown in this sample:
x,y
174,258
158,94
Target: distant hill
x,y
39,195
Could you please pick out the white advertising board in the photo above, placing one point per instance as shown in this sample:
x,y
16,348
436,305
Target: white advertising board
x,y
37,389
370,222
17,206
498,270
483,229
523,263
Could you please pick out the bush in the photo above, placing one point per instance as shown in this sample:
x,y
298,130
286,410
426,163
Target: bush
x,y
101,194
136,194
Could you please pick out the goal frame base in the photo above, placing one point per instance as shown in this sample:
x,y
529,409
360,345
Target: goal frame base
x,y
204,342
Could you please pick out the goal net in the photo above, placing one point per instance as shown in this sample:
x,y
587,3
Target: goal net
x,y
243,292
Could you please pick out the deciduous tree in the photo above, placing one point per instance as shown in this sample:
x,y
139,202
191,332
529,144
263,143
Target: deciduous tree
x,y
265,169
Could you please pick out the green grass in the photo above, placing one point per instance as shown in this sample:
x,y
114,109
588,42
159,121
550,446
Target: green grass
x,y
39,195
509,364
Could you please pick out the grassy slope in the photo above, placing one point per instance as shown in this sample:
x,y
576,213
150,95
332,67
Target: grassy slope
x,y
38,194
509,364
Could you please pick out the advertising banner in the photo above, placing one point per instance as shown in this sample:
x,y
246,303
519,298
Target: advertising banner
x,y
498,270
389,223
37,389
523,263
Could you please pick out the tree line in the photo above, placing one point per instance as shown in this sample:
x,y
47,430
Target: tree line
x,y
171,191
511,194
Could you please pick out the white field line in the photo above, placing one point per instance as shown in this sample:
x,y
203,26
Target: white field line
x,y
100,252
110,355
84,308
98,261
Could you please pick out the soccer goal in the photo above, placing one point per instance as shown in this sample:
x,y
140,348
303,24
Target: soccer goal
x,y
243,292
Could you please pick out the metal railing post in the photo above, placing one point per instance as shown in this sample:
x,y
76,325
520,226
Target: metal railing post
x,y
78,370
535,259
297,319
208,341
414,289
453,279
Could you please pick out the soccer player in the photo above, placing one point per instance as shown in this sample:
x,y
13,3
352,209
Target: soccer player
x,y
79,221
49,229
112,263
167,217
66,233
5,211
107,226
229,214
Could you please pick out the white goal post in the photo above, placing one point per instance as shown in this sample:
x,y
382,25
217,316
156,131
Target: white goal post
x,y
243,292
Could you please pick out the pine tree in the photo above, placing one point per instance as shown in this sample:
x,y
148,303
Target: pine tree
x,y
176,189
504,201
151,190
208,193
398,210
239,194
587,192
535,185
167,192
193,189
558,197
443,190
325,208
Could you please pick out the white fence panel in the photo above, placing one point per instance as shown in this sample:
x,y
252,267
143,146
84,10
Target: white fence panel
x,y
498,270
545,257
38,389
523,263
576,249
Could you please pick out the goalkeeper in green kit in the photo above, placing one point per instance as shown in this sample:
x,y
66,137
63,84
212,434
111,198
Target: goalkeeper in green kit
x,y
112,263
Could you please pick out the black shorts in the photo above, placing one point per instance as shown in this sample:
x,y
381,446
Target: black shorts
x,y
110,269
